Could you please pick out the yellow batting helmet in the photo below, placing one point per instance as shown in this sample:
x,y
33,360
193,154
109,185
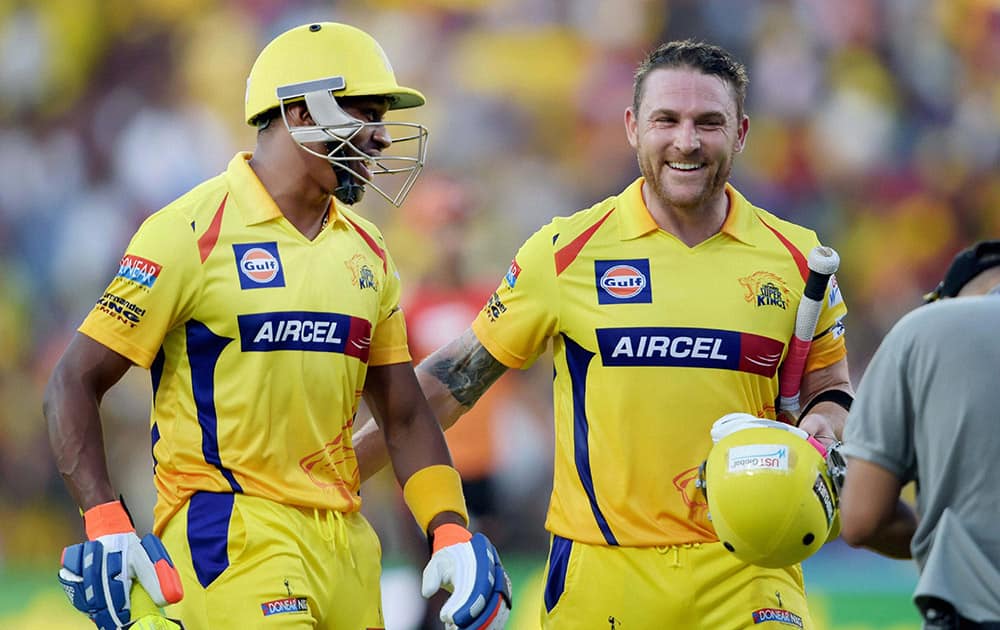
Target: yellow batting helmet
x,y
770,495
318,63
321,51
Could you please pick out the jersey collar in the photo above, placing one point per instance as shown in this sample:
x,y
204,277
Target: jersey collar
x,y
255,203
636,220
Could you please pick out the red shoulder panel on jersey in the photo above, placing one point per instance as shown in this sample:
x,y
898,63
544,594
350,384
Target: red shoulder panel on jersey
x,y
207,241
371,243
568,254
800,259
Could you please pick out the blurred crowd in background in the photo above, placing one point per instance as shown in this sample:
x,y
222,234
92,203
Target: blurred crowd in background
x,y
876,122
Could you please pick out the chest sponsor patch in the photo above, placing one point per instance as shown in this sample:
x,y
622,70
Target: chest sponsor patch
x,y
285,605
259,265
752,457
779,615
141,271
623,281
307,331
689,347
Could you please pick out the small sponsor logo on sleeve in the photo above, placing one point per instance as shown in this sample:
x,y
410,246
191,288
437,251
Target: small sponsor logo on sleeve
x,y
779,615
285,605
512,273
139,270
623,281
835,297
259,265
121,310
495,307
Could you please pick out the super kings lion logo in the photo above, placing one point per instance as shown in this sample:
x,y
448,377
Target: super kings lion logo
x,y
691,494
324,468
765,289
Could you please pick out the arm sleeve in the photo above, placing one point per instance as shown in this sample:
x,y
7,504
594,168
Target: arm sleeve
x,y
522,313
154,289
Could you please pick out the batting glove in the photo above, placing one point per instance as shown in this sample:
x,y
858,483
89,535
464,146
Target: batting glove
x,y
469,567
97,575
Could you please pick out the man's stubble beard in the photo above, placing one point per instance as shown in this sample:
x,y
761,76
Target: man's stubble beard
x,y
659,187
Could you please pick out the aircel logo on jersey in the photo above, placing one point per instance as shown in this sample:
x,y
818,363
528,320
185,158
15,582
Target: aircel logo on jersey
x,y
305,330
689,347
259,265
286,605
138,270
623,281
780,615
758,457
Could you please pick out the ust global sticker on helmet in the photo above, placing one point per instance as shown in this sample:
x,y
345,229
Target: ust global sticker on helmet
x,y
623,281
259,265
758,457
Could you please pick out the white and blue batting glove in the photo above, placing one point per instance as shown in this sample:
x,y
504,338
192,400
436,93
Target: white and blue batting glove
x,y
469,567
97,575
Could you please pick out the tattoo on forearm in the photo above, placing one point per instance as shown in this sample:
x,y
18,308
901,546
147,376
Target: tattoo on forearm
x,y
468,373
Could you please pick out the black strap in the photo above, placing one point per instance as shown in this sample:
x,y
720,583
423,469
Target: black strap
x,y
837,396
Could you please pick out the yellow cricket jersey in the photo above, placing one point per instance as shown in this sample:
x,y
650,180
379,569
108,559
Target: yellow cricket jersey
x,y
653,341
257,339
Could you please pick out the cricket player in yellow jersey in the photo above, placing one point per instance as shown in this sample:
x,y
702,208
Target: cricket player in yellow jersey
x,y
668,306
264,308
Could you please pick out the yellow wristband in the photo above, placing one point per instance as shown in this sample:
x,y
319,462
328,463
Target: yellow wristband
x,y
433,490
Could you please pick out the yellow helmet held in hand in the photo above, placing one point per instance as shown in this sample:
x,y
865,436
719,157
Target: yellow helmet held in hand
x,y
770,495
317,64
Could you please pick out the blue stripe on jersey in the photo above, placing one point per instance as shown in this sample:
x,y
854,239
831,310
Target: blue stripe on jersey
x,y
578,359
156,371
154,435
208,533
204,348
555,583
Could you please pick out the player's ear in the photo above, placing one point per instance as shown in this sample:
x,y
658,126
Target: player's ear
x,y
631,127
298,115
742,131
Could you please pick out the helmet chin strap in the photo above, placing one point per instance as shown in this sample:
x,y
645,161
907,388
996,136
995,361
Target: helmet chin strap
x,y
348,190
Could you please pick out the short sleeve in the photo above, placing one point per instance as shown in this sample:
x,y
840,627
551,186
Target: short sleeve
x,y
389,343
154,290
522,313
828,344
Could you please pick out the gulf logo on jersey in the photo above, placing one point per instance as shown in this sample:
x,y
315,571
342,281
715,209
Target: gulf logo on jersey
x,y
623,281
259,265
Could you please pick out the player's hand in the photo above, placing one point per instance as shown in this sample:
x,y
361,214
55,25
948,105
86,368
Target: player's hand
x,y
97,575
469,567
